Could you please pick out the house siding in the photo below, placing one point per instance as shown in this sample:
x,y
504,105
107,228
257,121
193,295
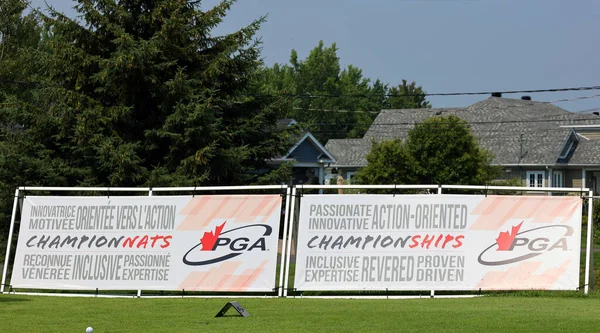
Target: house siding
x,y
305,152
573,178
511,173
521,174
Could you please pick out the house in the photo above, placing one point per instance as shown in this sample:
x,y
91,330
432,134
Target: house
x,y
308,155
537,142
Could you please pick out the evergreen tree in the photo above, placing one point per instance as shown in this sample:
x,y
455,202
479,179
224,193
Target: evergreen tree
x,y
140,92
19,34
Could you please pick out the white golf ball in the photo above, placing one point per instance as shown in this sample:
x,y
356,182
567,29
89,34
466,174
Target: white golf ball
x,y
89,330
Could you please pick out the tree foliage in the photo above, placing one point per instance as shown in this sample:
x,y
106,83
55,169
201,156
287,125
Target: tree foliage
x,y
19,35
406,96
321,74
440,150
140,92
389,162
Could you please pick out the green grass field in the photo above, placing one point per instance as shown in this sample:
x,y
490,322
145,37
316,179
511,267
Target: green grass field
x,y
483,314
507,312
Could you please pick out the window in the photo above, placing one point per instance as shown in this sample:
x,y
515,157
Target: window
x,y
350,175
557,179
535,178
567,150
569,146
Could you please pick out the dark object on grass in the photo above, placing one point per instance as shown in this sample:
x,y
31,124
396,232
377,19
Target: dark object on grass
x,y
237,308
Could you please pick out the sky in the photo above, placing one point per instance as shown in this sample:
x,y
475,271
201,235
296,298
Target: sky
x,y
444,45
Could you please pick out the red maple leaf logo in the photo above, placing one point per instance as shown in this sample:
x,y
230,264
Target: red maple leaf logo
x,y
505,239
209,239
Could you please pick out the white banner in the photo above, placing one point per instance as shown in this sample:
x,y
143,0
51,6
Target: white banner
x,y
208,243
443,242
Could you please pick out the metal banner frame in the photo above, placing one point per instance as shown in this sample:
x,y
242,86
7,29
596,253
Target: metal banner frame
x,y
278,288
291,195
584,192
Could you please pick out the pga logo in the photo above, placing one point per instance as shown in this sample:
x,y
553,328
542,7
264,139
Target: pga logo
x,y
218,245
517,245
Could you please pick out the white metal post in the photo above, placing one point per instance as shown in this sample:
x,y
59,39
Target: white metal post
x,y
10,234
289,243
139,292
286,221
550,180
591,220
439,192
589,251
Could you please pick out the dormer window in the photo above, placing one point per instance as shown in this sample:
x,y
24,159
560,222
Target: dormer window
x,y
568,149
569,146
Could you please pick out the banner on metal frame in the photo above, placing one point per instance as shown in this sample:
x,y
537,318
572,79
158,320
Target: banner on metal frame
x,y
440,242
204,243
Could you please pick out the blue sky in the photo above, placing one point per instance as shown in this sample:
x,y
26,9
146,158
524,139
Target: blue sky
x,y
445,45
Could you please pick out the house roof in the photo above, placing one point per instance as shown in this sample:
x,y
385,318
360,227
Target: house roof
x,y
516,131
349,152
587,152
324,156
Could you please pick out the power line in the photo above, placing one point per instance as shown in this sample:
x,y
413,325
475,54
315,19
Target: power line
x,y
311,96
403,127
340,111
543,119
457,109
497,122
573,99
587,111
519,91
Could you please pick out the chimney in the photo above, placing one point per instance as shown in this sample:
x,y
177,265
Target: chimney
x,y
526,98
496,94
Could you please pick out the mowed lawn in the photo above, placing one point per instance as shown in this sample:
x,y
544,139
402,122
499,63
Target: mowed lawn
x,y
483,314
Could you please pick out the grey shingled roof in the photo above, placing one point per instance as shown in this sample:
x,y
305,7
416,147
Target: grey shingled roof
x,y
516,131
349,152
587,152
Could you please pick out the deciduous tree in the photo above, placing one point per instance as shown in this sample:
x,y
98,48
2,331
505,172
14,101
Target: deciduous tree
x,y
334,102
440,150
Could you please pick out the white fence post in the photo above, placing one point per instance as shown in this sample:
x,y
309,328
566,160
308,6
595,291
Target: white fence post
x,y
589,251
289,243
439,192
139,292
10,234
282,260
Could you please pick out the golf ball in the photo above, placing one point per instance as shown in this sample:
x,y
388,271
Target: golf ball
x,y
89,330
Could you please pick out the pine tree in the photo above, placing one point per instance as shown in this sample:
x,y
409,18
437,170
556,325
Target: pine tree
x,y
140,92
19,34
